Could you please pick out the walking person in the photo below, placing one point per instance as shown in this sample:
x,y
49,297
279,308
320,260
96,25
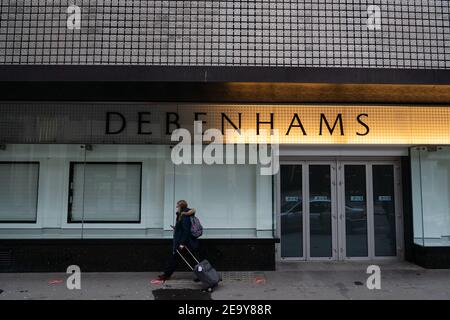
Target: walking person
x,y
181,237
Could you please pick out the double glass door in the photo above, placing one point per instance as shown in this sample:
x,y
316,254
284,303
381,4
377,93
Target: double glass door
x,y
339,210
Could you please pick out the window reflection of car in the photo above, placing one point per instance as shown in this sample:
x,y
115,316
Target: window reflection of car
x,y
291,216
384,216
319,218
356,218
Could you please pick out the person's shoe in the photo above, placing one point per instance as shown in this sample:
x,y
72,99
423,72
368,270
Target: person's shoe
x,y
163,277
196,280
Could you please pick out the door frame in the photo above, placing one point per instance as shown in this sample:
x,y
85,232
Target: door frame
x,y
342,218
369,163
338,222
278,213
334,210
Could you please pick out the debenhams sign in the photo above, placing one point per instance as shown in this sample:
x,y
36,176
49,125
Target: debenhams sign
x,y
313,124
172,121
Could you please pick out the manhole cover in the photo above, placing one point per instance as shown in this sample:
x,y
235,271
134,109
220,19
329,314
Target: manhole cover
x,y
181,294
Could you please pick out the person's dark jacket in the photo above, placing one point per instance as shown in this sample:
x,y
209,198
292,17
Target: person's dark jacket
x,y
182,233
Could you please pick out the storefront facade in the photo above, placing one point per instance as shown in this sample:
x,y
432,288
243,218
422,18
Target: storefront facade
x,y
360,109
104,176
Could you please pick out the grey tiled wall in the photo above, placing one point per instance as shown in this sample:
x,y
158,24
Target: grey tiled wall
x,y
414,33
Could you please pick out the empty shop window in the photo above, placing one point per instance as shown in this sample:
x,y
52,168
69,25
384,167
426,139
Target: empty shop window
x,y
105,192
19,191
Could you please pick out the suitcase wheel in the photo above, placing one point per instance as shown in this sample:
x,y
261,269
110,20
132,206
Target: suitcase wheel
x,y
209,289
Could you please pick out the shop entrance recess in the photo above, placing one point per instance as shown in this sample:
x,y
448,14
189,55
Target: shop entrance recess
x,y
339,210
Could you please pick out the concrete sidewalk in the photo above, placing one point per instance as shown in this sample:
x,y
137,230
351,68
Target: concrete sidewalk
x,y
306,280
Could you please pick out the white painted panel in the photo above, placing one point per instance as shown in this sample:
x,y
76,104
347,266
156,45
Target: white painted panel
x,y
224,195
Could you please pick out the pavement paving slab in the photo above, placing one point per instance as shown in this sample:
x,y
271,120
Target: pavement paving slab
x,y
291,281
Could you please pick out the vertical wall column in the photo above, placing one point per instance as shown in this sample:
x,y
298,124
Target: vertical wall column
x,y
264,206
169,200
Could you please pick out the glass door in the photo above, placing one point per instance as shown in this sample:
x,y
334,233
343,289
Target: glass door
x,y
369,213
384,210
338,210
291,211
307,210
353,218
321,210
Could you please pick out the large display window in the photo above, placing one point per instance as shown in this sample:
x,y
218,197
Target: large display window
x,y
430,168
105,192
123,191
18,191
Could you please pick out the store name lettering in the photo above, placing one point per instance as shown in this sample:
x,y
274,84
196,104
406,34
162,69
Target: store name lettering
x,y
116,123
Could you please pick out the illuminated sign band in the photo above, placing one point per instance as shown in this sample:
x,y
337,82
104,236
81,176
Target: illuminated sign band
x,y
295,124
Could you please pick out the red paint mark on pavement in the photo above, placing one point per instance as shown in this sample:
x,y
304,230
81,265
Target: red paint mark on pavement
x,y
259,280
55,281
156,281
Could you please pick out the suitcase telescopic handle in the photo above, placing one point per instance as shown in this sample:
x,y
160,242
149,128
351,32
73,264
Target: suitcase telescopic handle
x,y
191,256
189,265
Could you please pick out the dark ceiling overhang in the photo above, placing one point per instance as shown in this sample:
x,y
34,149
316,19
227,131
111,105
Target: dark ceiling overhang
x,y
223,84
137,73
232,92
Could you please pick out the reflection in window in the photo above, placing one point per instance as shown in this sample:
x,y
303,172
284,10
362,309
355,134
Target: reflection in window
x,y
384,210
355,211
291,215
321,240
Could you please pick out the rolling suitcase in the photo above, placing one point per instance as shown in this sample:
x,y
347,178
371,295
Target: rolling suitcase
x,y
204,271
